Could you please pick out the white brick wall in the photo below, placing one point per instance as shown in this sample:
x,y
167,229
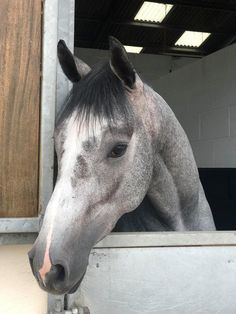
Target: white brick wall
x,y
203,97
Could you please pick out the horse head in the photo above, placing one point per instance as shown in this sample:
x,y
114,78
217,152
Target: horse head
x,y
103,141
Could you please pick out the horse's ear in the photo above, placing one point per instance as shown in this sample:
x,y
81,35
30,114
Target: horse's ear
x,y
72,67
82,67
120,64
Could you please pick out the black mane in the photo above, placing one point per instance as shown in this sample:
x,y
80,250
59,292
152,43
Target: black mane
x,y
100,94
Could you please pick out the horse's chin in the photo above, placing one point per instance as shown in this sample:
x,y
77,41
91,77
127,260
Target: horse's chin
x,y
53,289
76,286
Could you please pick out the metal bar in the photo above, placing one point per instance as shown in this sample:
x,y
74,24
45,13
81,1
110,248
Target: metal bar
x,y
55,304
167,239
58,24
17,238
65,32
48,101
134,239
19,225
63,28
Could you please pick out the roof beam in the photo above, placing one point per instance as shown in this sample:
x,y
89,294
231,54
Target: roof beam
x,y
164,26
177,51
151,48
171,27
224,6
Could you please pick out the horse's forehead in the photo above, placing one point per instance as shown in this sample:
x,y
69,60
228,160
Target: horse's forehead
x,y
91,129
75,139
82,133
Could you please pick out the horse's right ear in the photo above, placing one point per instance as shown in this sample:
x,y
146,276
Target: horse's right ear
x,y
72,67
120,64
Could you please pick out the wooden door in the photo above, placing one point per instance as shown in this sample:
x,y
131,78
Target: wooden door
x,y
20,54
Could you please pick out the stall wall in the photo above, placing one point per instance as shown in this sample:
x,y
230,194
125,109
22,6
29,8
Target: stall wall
x,y
19,292
203,97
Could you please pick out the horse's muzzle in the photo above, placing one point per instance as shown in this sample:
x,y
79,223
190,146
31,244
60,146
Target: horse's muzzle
x,y
56,280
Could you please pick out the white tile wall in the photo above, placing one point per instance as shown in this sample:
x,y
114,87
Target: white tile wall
x,y
191,124
203,153
224,152
207,88
214,123
232,122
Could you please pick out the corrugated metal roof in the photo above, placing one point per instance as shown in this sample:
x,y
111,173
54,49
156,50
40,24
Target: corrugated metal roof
x,y
97,19
199,18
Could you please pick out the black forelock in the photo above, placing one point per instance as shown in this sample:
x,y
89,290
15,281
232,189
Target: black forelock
x,y
100,94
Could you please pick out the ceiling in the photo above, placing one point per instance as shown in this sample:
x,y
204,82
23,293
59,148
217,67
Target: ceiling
x,y
95,20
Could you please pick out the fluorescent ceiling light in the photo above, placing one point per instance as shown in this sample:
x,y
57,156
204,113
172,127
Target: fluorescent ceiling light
x,y
153,12
133,49
192,39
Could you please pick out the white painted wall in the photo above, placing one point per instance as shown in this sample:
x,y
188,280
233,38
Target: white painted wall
x,y
19,292
203,97
150,67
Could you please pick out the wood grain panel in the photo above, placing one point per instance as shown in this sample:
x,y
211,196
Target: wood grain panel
x,y
20,45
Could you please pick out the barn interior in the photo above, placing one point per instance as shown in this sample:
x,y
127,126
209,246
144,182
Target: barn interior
x,y
149,272
186,51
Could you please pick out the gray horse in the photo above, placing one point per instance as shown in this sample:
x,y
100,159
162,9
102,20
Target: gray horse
x,y
118,145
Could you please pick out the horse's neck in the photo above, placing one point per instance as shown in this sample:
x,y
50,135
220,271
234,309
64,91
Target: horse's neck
x,y
143,218
173,162
174,189
175,199
176,151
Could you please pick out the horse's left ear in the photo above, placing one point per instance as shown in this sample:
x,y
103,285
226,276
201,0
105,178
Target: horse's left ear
x,y
72,67
120,64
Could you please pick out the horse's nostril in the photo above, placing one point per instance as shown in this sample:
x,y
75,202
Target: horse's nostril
x,y
57,273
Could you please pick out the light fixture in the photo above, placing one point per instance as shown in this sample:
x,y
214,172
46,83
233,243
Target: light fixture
x,y
153,12
133,49
192,39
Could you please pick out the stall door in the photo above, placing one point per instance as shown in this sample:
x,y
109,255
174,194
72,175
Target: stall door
x,y
20,53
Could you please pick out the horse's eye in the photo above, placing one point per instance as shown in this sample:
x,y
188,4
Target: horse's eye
x,y
118,151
